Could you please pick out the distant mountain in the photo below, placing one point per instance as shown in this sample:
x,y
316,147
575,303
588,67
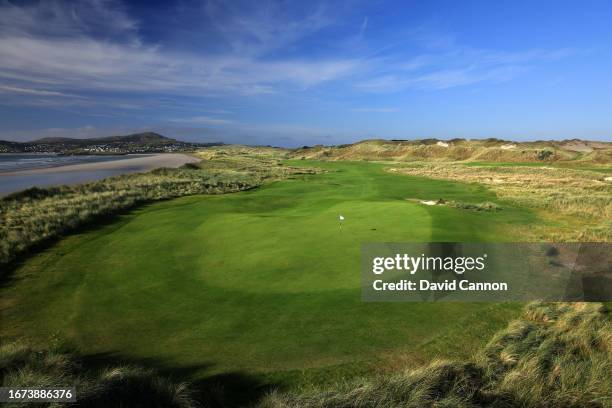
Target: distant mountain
x,y
144,138
146,142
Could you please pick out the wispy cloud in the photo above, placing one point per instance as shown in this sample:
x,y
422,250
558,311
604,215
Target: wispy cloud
x,y
203,120
75,56
254,28
89,64
459,66
28,91
77,132
376,110
55,18
364,26
65,50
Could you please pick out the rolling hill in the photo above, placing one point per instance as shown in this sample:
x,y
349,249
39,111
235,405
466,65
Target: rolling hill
x,y
133,143
486,150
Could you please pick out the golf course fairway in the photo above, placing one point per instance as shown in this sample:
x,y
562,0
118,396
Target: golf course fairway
x,y
262,282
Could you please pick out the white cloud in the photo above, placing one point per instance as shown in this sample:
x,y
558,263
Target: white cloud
x,y
85,63
203,120
66,18
459,66
28,91
76,59
57,49
254,28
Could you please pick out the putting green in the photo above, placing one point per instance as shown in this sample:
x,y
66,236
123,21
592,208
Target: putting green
x,y
263,282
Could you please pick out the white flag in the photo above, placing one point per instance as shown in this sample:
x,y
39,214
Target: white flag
x,y
341,217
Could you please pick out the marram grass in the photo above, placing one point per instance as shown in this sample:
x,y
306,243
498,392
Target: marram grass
x,y
555,355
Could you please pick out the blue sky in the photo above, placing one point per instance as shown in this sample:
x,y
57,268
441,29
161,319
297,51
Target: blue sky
x,y
294,73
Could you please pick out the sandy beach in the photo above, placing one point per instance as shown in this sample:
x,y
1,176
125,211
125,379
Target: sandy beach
x,y
141,163
80,173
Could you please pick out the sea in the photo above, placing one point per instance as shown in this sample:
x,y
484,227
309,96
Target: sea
x,y
10,164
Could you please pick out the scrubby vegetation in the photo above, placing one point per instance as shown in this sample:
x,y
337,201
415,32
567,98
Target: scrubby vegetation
x,y
33,216
120,386
486,206
556,355
493,150
582,194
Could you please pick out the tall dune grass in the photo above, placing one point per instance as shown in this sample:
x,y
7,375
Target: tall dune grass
x,y
556,355
585,195
118,386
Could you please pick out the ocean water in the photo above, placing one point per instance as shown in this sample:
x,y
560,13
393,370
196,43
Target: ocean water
x,y
10,163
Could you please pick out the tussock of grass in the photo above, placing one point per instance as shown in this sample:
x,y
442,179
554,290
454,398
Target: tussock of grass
x,y
557,355
485,206
443,383
124,386
561,354
130,385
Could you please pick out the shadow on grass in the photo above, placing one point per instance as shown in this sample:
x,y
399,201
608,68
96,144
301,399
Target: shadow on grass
x,y
231,389
7,271
117,218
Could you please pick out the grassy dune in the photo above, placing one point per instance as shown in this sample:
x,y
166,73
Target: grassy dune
x,y
555,355
489,150
261,282
583,197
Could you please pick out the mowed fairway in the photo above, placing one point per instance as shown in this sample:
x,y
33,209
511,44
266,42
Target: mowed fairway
x,y
262,282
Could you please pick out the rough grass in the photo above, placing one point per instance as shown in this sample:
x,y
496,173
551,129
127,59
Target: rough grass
x,y
571,192
432,150
560,354
22,366
556,355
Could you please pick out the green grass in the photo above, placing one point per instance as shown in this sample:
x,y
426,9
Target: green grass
x,y
261,282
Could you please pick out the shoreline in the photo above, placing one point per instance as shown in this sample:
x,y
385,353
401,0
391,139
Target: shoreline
x,y
146,163
71,174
